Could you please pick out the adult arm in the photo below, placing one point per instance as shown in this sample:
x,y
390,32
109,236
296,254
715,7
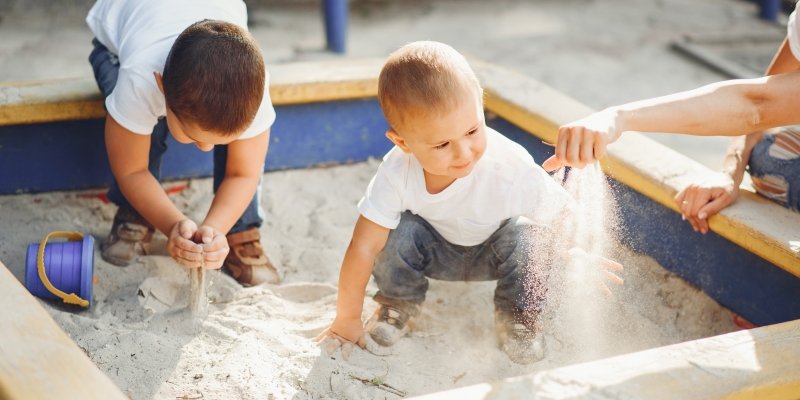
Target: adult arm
x,y
729,108
701,200
368,240
128,155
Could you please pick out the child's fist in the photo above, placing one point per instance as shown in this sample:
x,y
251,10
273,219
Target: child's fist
x,y
215,246
181,247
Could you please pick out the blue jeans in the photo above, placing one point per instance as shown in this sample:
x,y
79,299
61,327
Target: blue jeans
x,y
106,70
784,175
415,252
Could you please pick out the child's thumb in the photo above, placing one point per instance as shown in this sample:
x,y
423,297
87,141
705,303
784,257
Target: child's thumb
x,y
551,164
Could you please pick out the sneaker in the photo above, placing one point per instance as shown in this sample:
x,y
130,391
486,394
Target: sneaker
x,y
130,237
520,336
247,262
393,320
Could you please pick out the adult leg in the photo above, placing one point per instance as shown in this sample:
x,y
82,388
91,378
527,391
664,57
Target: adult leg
x,y
247,262
775,167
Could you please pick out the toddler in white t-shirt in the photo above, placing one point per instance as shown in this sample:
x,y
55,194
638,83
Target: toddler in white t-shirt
x,y
453,200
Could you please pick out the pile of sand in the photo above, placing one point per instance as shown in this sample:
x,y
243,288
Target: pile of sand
x,y
257,342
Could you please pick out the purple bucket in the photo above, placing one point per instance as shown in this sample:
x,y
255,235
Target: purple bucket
x,y
68,265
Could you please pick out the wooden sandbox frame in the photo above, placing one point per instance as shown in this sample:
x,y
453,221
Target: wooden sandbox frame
x,y
749,262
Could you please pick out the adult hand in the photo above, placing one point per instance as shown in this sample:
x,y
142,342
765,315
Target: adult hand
x,y
601,264
584,141
181,247
215,246
344,333
699,201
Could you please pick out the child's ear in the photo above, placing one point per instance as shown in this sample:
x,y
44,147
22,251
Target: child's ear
x,y
398,140
159,81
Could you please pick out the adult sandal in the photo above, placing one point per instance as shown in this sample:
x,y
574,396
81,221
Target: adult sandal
x,y
392,320
247,262
130,237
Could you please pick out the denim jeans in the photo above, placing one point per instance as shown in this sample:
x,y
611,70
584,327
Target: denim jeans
x,y
783,174
415,252
106,70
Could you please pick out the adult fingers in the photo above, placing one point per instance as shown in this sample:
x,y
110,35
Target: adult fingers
x,y
600,143
680,197
573,150
587,148
702,198
562,144
687,209
714,207
551,164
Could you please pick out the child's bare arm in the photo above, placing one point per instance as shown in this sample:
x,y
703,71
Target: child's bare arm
x,y
128,155
368,240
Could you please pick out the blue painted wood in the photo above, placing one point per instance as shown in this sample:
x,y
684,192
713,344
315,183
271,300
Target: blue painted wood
x,y
749,285
71,154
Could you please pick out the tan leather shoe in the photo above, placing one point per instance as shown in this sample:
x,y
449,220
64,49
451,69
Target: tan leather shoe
x,y
130,237
246,261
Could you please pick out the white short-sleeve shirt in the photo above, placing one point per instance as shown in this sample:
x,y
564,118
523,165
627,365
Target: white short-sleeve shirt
x,y
505,183
141,33
793,33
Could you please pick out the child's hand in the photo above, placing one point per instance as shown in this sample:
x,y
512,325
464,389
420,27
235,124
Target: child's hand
x,y
215,246
343,333
602,264
181,247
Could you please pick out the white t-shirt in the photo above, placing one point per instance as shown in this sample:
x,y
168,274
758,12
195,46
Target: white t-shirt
x,y
505,183
141,33
793,33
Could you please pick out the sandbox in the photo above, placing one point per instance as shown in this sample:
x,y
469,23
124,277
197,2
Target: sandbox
x,y
257,342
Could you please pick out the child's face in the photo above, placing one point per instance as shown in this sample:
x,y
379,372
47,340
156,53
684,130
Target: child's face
x,y
191,133
446,145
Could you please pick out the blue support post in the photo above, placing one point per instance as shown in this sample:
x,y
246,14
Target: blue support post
x,y
335,14
769,9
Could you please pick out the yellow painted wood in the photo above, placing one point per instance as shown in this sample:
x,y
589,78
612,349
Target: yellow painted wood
x,y
37,359
761,363
296,83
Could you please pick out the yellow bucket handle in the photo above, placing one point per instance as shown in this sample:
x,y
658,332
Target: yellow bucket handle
x,y
71,298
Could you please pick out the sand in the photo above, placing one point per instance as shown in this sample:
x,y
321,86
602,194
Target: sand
x,y
257,342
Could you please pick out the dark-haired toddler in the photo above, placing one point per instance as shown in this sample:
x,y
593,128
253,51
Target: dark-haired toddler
x,y
191,69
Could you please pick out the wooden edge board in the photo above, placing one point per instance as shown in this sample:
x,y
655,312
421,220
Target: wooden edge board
x,y
648,167
296,83
760,363
37,359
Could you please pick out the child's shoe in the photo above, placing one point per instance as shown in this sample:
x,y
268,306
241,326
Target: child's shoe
x,y
247,262
130,237
393,320
520,336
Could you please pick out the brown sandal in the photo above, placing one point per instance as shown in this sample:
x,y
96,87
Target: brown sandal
x,y
130,237
247,262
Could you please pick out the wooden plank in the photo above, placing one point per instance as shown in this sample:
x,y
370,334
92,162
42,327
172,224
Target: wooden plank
x,y
762,227
761,363
37,359
296,83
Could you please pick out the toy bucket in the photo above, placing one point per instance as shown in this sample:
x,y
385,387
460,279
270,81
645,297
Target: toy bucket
x,y
63,270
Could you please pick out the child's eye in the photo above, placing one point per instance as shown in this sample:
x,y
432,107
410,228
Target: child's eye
x,y
441,146
472,132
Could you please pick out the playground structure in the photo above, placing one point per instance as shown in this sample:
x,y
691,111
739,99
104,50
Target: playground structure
x,y
749,263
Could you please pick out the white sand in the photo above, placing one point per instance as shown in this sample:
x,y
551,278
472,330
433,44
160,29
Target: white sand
x,y
256,342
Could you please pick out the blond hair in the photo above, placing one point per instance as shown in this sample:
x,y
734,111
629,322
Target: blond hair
x,y
428,78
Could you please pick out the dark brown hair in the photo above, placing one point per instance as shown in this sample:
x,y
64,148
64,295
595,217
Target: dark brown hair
x,y
215,77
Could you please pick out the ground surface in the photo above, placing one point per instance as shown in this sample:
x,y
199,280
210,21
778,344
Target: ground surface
x,y
602,53
256,342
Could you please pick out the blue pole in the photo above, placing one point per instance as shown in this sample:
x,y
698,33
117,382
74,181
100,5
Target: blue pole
x,y
768,9
335,13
